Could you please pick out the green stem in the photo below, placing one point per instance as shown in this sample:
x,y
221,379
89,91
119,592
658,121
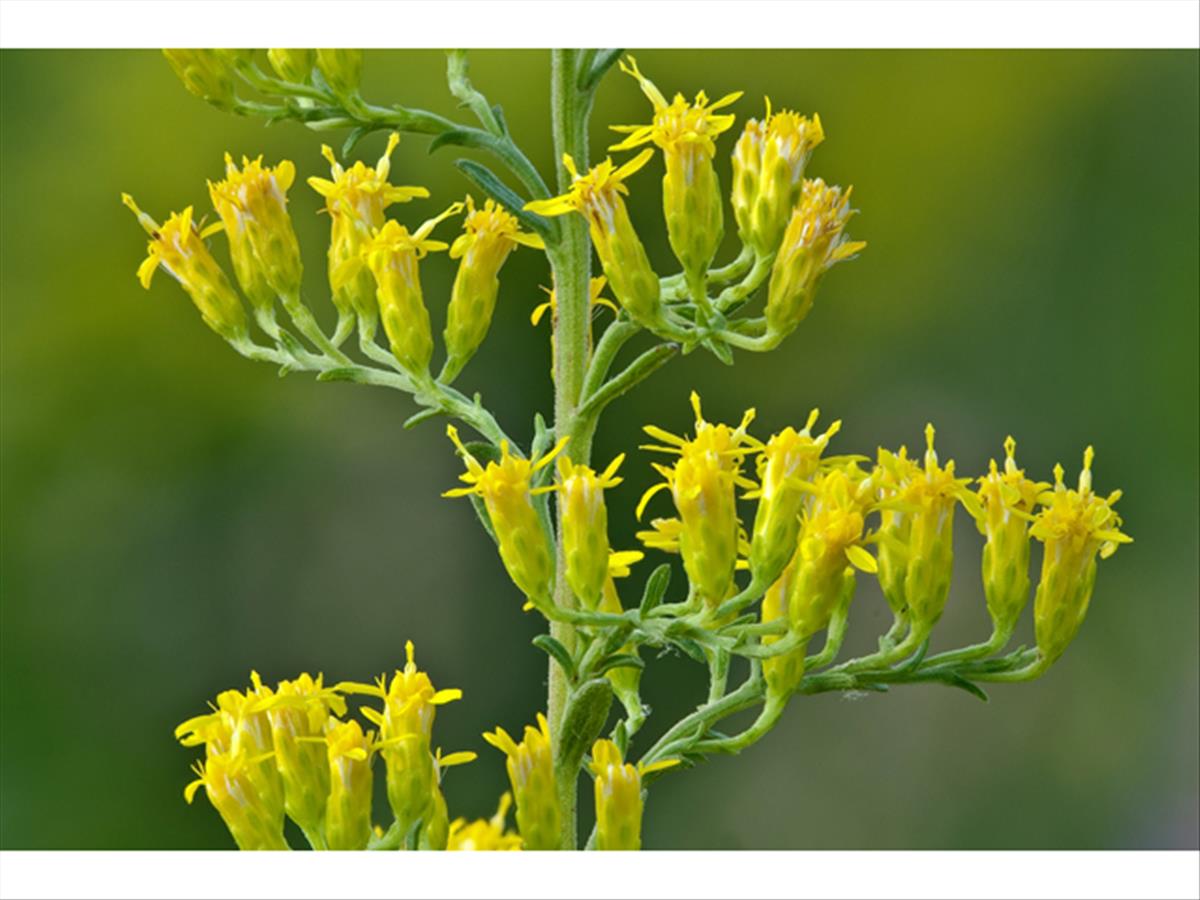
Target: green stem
x,y
570,259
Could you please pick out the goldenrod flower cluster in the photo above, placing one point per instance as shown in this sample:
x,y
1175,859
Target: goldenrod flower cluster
x,y
781,520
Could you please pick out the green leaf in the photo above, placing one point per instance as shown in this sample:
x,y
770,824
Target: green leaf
x,y
353,138
601,63
484,179
692,649
585,714
345,373
423,416
969,686
290,344
656,588
620,661
560,653
473,138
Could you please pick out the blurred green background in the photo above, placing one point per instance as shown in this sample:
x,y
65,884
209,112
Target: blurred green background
x,y
174,515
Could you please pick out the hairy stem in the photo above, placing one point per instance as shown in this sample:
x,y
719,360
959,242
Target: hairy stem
x,y
570,260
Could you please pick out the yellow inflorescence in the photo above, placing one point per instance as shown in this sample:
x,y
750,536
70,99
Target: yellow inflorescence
x,y
392,254
618,787
489,235
703,482
405,730
813,242
178,247
685,132
530,766
206,73
788,461
597,196
355,200
348,818
916,550
585,526
1006,501
485,834
341,69
507,492
252,204
292,65
1075,526
768,174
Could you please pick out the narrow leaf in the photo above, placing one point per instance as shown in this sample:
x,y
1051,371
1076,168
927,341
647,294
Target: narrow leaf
x,y
620,661
560,653
353,138
484,179
423,416
345,373
601,63
656,588
969,686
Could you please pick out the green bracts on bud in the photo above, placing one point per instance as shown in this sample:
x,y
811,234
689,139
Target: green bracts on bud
x,y
292,65
692,207
342,70
207,74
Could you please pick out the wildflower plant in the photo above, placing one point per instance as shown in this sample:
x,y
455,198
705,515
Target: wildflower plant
x,y
773,531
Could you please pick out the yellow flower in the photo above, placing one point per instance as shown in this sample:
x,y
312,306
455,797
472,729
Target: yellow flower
x,y
239,774
299,712
252,204
783,672
342,70
178,247
1003,510
702,483
1074,526
355,200
405,731
618,787
812,243
530,765
507,493
597,195
392,255
768,174
349,752
292,65
206,73
489,235
788,460
226,780
485,834
685,133
585,525
916,551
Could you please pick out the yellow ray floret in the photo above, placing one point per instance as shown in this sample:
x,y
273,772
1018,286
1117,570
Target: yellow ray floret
x,y
530,765
485,834
678,123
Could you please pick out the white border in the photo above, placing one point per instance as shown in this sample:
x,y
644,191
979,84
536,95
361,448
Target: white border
x,y
849,874
593,23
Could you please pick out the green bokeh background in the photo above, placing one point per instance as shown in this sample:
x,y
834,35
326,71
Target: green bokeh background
x,y
174,515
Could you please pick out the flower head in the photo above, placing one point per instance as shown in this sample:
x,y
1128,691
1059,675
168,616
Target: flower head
x,y
813,242
1003,508
392,254
618,787
506,488
703,482
341,69
348,752
530,765
691,195
208,74
585,525
252,204
178,247
678,127
788,460
489,235
597,196
916,552
768,174
1075,526
485,834
292,65
405,731
299,713
227,782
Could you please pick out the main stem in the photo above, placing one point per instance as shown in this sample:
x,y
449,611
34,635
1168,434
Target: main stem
x,y
570,260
